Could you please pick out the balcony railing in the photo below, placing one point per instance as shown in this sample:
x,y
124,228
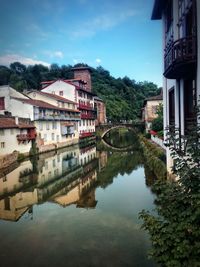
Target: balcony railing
x,y
87,116
87,134
54,117
86,107
26,137
180,58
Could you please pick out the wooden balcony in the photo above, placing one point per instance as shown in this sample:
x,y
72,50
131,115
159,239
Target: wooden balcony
x,y
88,116
181,58
86,134
85,106
26,137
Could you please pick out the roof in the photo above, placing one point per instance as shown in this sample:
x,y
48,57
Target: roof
x,y
9,122
82,68
57,97
42,104
154,98
98,99
157,9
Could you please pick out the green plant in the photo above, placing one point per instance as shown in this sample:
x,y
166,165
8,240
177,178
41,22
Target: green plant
x,y
175,229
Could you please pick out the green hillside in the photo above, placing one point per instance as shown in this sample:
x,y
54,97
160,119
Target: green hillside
x,y
123,97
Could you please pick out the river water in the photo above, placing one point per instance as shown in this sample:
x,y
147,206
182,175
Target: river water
x,y
77,207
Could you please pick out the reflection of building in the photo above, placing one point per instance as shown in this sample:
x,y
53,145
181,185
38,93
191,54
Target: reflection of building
x,y
103,159
149,111
13,201
181,58
64,177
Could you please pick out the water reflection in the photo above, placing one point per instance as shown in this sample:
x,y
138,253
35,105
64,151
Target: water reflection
x,y
84,201
63,177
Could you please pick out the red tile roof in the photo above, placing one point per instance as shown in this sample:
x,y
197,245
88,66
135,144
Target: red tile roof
x,y
57,97
42,104
9,122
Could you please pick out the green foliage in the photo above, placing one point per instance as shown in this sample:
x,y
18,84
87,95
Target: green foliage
x,y
157,123
175,230
154,158
123,97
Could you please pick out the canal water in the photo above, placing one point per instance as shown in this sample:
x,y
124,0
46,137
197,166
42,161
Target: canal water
x,y
77,207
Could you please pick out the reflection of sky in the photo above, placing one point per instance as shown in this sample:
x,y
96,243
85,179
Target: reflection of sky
x,y
109,235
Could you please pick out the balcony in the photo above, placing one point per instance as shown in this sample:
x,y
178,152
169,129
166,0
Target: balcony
x,y
58,117
87,134
85,107
88,116
26,137
181,58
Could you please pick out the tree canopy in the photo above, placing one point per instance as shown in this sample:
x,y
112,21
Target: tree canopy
x,y
123,96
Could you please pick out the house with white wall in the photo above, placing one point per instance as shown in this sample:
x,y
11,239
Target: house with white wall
x,y
56,125
149,111
181,63
16,135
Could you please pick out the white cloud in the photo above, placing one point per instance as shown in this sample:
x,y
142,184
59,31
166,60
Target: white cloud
x,y
102,22
10,58
75,61
54,54
98,60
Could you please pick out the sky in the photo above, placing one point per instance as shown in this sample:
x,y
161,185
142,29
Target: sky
x,y
118,35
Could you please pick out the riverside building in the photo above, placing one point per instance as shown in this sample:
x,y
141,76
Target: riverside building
x,y
181,62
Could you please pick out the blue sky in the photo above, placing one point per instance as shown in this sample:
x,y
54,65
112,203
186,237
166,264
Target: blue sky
x,y
115,34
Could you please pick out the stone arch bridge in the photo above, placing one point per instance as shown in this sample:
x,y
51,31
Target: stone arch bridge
x,y
103,129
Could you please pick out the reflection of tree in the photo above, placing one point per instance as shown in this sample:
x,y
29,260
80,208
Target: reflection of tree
x,y
150,176
119,163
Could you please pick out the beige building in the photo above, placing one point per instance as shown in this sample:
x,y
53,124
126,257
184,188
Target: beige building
x,y
149,111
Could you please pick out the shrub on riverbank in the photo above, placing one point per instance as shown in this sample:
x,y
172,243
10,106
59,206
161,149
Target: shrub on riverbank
x,y
174,231
154,158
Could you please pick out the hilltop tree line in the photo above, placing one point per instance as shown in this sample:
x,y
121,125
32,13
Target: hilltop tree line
x,y
124,97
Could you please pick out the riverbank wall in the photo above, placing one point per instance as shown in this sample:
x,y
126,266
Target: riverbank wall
x,y
154,157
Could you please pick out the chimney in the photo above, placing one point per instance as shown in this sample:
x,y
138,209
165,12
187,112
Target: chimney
x,y
83,73
16,120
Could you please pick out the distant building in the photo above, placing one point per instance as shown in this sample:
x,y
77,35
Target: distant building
x,y
149,110
181,62
100,110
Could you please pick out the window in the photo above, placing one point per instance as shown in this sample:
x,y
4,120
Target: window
x,y
61,93
171,107
53,136
2,103
45,137
40,126
2,132
54,125
2,144
189,103
57,138
47,126
154,109
12,131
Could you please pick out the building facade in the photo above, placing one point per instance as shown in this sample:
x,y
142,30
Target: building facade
x,y
149,110
181,62
77,90
100,111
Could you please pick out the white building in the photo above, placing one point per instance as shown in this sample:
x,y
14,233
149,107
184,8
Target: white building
x,y
16,134
56,126
181,62
79,91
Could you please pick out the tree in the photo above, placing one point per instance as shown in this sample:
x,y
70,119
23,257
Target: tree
x,y
175,230
157,123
